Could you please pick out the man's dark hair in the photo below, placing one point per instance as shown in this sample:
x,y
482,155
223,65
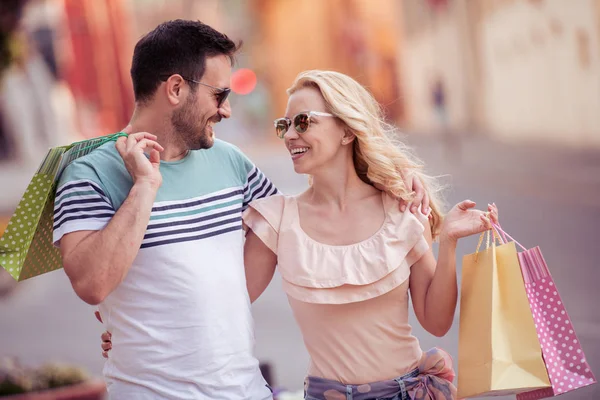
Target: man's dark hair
x,y
176,47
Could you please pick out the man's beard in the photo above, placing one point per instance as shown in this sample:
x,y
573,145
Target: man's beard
x,y
186,124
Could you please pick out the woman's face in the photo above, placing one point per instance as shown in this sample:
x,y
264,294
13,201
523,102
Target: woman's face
x,y
321,141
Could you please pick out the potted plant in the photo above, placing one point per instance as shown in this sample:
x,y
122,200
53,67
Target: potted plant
x,y
48,382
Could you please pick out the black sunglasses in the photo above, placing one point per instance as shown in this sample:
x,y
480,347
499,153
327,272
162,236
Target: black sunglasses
x,y
220,93
302,122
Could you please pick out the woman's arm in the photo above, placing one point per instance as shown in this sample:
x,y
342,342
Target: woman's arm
x,y
433,288
259,263
433,285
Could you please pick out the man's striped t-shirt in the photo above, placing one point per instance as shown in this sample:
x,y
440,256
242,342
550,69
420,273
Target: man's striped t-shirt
x,y
180,321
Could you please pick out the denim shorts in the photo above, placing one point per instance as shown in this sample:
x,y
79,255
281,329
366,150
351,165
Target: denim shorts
x,y
392,389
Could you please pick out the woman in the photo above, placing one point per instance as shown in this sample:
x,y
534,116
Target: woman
x,y
349,256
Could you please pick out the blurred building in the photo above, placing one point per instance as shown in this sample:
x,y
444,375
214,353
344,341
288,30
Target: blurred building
x,y
356,37
100,44
516,69
513,69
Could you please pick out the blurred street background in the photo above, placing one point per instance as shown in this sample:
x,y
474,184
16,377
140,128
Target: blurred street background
x,y
500,97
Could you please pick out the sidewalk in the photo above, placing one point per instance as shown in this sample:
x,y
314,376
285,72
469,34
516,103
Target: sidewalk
x,y
567,174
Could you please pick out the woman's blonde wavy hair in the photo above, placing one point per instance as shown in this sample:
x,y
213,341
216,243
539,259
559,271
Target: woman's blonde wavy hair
x,y
380,158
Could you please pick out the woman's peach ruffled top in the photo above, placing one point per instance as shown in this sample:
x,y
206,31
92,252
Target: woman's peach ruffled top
x,y
351,302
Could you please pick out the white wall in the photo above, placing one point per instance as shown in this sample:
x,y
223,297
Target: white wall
x,y
535,84
426,55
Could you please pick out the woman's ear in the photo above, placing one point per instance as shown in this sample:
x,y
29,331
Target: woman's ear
x,y
348,137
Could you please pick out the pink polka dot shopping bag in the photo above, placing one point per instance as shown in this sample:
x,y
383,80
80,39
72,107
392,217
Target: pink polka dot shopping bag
x,y
565,361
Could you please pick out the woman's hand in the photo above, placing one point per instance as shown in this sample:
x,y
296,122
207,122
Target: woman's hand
x,y
463,220
106,338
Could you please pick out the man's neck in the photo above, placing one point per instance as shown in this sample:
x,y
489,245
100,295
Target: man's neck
x,y
159,124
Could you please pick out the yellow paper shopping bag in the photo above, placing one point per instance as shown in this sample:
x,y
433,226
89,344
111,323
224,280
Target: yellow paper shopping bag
x,y
498,348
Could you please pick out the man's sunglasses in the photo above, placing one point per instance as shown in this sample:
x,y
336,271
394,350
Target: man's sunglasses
x,y
301,121
220,93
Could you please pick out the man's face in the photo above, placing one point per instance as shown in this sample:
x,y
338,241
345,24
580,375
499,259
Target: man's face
x,y
194,119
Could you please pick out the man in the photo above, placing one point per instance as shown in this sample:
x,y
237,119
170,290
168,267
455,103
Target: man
x,y
160,249
157,241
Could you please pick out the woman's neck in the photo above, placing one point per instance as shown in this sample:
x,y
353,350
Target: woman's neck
x,y
338,186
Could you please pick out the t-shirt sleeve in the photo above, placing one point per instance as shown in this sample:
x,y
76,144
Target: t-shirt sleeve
x,y
256,184
81,203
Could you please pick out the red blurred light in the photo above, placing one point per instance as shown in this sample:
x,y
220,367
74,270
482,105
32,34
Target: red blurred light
x,y
243,81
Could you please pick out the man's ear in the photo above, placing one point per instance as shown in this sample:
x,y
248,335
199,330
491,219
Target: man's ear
x,y
175,89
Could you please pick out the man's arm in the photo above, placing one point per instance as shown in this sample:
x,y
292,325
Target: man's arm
x,y
96,262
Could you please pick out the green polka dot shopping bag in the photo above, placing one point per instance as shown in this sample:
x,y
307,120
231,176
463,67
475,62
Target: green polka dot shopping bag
x,y
26,247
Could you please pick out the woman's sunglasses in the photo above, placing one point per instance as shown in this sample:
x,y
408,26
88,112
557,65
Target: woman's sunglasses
x,y
301,122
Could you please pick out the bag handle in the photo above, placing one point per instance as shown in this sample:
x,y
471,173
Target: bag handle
x,y
499,229
101,140
496,238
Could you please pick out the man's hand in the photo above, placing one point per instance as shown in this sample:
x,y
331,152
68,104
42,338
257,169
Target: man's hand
x,y
142,170
421,197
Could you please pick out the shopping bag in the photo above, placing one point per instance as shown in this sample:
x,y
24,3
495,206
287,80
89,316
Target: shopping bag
x,y
498,352
26,247
565,361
